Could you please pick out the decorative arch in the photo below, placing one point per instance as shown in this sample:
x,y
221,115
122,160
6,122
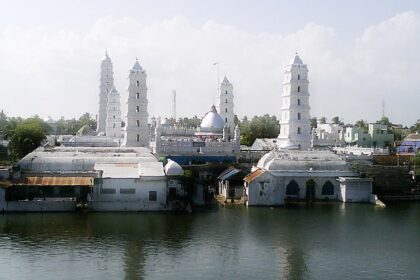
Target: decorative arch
x,y
292,188
328,188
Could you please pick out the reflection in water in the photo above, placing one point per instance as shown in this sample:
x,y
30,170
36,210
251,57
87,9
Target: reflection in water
x,y
304,241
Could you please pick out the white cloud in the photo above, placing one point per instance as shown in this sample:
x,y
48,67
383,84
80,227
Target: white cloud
x,y
56,72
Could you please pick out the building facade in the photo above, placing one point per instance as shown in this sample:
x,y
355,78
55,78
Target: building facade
x,y
224,105
136,132
294,114
105,86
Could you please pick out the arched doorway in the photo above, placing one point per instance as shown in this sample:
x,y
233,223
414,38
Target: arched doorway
x,y
292,188
328,188
310,189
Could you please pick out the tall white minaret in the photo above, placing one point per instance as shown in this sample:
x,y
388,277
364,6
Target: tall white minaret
x,y
105,86
113,115
224,105
137,128
295,132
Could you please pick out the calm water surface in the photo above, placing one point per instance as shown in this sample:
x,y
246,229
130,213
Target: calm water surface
x,y
322,241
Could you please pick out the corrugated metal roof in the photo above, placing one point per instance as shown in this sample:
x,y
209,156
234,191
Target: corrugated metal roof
x,y
57,181
251,176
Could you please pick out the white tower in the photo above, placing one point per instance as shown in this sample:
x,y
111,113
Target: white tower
x,y
224,105
105,86
295,132
137,128
113,115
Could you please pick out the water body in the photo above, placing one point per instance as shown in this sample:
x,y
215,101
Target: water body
x,y
318,241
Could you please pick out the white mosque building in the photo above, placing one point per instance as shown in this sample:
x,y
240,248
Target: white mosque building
x,y
292,171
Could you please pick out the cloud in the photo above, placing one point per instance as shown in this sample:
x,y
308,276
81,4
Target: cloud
x,y
56,72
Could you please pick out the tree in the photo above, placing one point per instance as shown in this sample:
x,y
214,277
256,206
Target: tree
x,y
27,136
362,124
384,120
323,120
314,122
259,127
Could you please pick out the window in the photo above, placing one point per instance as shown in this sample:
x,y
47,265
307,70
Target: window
x,y
137,109
137,123
298,77
138,138
298,101
225,120
226,92
298,132
226,101
226,110
298,116
137,95
108,191
327,188
137,83
128,191
298,89
152,195
113,117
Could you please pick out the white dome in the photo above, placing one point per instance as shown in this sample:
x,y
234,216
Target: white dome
x,y
296,60
137,66
212,120
173,169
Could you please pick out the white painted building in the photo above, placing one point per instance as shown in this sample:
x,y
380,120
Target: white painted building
x,y
295,130
113,116
292,174
136,132
105,86
328,134
129,187
224,105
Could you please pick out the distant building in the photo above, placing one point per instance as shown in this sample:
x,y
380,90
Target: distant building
x,y
136,133
327,135
377,136
410,144
295,129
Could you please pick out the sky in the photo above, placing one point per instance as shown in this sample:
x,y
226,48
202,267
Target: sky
x,y
360,55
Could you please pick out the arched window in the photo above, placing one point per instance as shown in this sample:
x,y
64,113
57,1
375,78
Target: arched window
x,y
226,101
226,92
137,83
137,95
226,110
138,137
298,77
225,120
137,109
298,101
113,117
327,188
138,123
298,131
298,88
292,188
298,116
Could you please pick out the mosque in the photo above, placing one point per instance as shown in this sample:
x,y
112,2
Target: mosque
x,y
293,170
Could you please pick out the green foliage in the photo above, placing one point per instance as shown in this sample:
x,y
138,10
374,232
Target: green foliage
x,y
193,122
314,122
27,136
336,120
259,127
362,124
384,120
71,126
323,120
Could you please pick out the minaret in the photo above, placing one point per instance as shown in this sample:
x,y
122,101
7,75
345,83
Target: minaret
x,y
113,115
137,128
295,129
105,86
224,105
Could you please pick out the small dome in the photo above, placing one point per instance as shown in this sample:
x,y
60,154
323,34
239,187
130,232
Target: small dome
x,y
296,60
173,169
212,120
137,66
